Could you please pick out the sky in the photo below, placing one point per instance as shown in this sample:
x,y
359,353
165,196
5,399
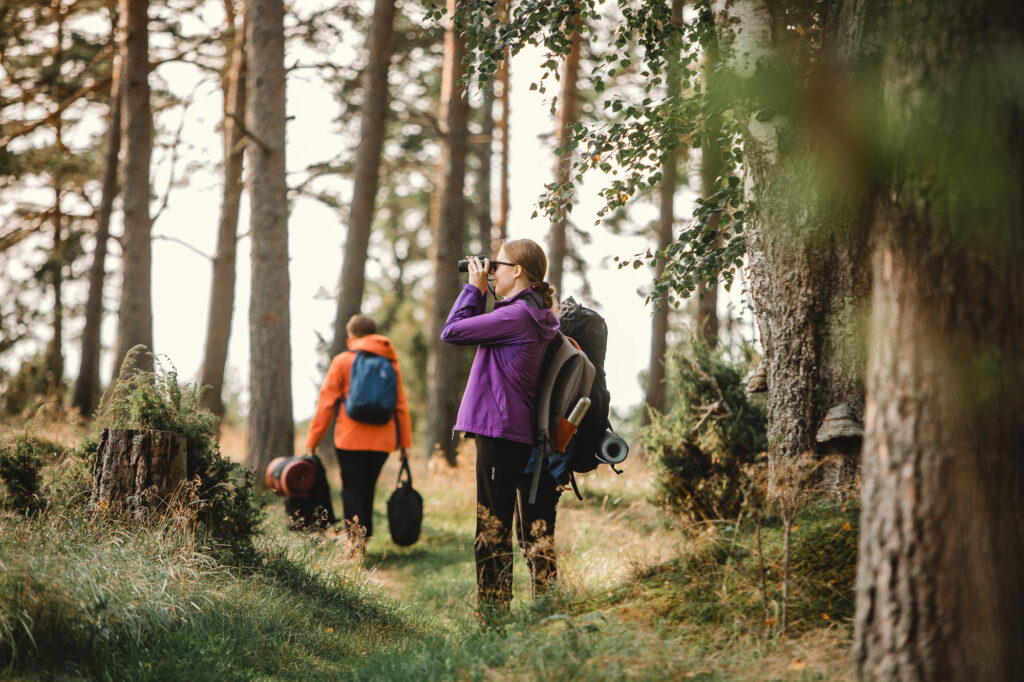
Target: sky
x,y
181,276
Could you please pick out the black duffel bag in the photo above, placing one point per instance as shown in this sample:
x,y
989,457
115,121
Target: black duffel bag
x,y
405,510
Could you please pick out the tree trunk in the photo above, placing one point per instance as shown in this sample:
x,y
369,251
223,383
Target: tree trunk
x,y
55,349
484,222
568,114
372,130
503,80
655,394
806,251
444,371
271,429
940,594
222,288
87,387
135,315
138,469
710,168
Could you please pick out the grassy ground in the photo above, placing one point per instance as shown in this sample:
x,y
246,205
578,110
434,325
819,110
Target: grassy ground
x,y
81,598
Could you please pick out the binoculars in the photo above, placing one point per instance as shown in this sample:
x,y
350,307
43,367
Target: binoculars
x,y
464,264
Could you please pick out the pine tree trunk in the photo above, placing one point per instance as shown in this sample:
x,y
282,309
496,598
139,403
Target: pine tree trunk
x,y
655,394
372,130
503,79
135,315
222,287
271,429
710,168
87,387
568,114
806,252
940,594
483,190
444,369
138,469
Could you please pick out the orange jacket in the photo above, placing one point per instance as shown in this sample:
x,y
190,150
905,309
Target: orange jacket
x,y
348,433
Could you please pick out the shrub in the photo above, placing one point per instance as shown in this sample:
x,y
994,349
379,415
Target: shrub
x,y
20,464
28,387
155,400
708,443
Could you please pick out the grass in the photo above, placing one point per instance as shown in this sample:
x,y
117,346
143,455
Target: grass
x,y
640,598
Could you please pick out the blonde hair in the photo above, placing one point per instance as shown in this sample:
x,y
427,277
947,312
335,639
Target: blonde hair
x,y
360,325
528,255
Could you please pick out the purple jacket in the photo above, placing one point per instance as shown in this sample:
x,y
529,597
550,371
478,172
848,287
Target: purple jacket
x,y
500,398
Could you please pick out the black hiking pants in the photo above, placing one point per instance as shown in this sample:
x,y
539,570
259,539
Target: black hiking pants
x,y
360,470
503,492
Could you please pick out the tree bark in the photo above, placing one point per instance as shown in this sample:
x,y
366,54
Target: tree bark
x,y
710,169
135,315
138,469
484,221
222,288
807,260
655,394
444,370
504,83
940,594
372,130
87,387
271,429
568,115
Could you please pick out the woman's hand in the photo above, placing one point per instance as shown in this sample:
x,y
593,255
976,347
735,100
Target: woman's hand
x,y
478,273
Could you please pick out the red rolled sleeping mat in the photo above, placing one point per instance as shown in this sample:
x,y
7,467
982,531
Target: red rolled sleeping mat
x,y
291,476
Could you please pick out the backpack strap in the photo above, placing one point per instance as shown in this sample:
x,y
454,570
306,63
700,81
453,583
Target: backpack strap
x,y
575,488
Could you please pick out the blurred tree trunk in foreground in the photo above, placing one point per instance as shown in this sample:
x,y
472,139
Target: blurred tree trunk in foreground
x,y
444,371
271,429
222,287
940,594
373,126
135,314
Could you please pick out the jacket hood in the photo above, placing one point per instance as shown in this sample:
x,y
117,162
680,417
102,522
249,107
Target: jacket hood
x,y
546,321
374,343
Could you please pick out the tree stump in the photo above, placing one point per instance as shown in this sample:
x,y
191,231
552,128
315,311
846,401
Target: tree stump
x,y
138,469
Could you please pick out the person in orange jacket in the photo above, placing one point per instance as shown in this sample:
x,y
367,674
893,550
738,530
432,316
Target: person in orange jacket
x,y
361,447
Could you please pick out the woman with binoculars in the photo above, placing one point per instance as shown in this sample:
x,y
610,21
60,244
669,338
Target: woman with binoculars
x,y
498,410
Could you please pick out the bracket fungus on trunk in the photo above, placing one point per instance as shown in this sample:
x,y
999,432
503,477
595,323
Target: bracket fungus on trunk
x,y
839,422
758,381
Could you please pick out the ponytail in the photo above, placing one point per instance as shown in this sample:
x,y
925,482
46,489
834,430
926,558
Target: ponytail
x,y
548,294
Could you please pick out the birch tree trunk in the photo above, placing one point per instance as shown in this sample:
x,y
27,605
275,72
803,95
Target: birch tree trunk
x,y
87,386
444,369
135,315
372,129
940,594
271,429
222,287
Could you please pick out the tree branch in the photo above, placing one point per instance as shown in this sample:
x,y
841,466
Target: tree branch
x,y
168,238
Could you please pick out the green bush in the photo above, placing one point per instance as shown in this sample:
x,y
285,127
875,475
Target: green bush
x,y
708,443
27,387
20,464
155,400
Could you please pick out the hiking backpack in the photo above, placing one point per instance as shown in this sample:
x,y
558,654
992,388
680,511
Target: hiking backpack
x,y
566,379
573,368
590,331
372,389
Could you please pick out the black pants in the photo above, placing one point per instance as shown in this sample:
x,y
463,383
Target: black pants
x,y
502,493
359,472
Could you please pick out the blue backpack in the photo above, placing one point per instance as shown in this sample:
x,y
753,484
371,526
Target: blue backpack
x,y
372,389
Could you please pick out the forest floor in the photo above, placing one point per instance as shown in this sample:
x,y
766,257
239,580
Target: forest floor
x,y
640,598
